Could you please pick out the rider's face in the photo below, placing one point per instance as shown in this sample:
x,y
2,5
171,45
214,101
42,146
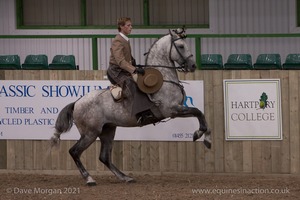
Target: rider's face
x,y
126,29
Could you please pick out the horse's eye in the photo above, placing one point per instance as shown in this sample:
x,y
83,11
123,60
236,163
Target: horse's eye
x,y
180,46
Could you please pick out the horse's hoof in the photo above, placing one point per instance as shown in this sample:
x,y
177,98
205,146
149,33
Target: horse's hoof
x,y
90,181
129,180
207,143
91,184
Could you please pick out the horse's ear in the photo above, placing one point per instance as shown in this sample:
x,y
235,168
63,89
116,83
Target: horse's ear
x,y
179,32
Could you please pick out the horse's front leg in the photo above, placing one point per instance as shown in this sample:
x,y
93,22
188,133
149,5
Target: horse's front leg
x,y
183,111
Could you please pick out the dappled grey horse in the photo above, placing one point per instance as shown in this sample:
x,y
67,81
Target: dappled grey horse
x,y
97,115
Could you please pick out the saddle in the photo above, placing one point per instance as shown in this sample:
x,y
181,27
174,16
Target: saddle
x,y
143,118
116,92
148,83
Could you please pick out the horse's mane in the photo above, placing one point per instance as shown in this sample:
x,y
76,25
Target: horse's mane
x,y
154,43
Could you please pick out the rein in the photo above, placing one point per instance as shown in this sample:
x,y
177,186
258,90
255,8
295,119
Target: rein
x,y
179,84
182,67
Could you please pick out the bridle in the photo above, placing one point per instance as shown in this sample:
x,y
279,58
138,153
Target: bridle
x,y
181,33
183,66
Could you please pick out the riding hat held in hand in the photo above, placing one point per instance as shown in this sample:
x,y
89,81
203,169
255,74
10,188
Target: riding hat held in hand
x,y
151,81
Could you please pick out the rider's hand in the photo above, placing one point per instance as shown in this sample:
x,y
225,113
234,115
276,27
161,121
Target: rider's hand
x,y
139,70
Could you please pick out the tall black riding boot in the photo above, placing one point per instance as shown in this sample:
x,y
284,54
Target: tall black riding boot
x,y
145,117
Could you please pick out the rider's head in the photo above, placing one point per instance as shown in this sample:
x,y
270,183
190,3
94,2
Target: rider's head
x,y
124,25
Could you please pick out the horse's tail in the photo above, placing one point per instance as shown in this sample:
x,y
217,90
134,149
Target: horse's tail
x,y
64,123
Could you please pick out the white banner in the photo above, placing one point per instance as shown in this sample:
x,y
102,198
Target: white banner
x,y
252,109
29,110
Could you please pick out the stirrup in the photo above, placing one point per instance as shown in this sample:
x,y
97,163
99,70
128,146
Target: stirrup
x,y
116,92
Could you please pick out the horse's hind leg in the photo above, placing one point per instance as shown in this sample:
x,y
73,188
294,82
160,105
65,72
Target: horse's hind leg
x,y
82,144
106,138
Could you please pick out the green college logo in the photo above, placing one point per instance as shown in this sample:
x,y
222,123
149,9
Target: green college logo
x,y
263,100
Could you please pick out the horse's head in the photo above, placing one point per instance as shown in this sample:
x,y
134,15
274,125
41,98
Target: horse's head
x,y
180,52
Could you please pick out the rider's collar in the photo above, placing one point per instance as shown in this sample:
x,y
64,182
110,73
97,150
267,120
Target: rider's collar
x,y
124,36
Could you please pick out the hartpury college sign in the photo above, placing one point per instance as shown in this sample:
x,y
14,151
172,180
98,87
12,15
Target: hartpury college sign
x,y
29,110
252,109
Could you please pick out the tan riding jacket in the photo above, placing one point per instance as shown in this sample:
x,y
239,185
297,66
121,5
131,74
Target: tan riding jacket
x,y
121,54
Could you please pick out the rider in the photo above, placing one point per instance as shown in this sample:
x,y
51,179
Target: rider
x,y
121,70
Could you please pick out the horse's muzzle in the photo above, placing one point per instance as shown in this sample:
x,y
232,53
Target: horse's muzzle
x,y
194,67
190,68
